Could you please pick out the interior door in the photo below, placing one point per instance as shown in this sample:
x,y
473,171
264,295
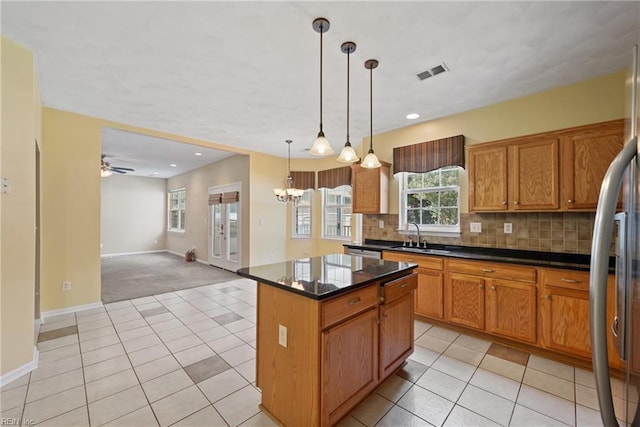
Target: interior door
x,y
224,227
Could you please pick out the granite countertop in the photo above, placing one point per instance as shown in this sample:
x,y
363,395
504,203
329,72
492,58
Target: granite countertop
x,y
513,256
325,276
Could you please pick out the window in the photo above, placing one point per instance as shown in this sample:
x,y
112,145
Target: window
x,y
177,209
336,212
302,215
431,200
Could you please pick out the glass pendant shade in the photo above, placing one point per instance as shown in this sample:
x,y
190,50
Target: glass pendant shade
x,y
104,173
371,161
348,154
321,146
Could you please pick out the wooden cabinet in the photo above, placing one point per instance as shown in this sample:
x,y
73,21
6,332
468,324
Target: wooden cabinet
x,y
564,313
349,364
585,159
396,324
370,189
553,171
429,294
520,174
498,298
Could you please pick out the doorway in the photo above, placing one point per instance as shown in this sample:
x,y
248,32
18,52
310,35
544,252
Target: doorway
x,y
225,227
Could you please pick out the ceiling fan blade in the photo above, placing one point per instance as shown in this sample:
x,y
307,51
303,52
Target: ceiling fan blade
x,y
121,172
122,169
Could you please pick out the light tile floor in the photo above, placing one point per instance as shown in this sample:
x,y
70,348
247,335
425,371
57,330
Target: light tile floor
x,y
187,358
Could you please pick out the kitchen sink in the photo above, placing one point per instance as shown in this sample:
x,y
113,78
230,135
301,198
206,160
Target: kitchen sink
x,y
419,250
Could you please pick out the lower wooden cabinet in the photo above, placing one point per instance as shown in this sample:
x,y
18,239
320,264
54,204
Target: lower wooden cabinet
x,y
429,296
511,310
349,364
465,300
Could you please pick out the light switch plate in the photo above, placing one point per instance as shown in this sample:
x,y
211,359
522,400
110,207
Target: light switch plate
x,y
282,335
476,227
381,223
508,228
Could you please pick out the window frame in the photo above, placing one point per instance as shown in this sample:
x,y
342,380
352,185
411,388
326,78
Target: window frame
x,y
182,220
434,229
294,210
325,192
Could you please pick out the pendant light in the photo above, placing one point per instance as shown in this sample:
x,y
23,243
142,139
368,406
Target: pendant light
x,y
348,154
371,160
289,193
321,146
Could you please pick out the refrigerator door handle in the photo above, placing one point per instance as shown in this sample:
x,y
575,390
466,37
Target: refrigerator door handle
x,y
600,249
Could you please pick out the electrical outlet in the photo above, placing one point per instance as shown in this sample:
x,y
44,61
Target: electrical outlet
x,y
66,286
508,228
381,223
476,227
282,335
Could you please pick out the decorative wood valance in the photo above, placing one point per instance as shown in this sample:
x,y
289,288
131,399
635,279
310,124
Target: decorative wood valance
x,y
230,197
304,180
215,199
332,178
430,155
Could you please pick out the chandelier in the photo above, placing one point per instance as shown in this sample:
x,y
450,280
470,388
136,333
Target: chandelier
x,y
289,193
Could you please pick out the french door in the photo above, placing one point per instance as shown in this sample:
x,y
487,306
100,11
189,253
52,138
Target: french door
x,y
224,227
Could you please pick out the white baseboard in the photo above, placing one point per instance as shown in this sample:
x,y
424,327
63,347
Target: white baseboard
x,y
73,309
22,370
132,253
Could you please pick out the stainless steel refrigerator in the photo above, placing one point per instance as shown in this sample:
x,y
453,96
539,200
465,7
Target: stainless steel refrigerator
x,y
621,228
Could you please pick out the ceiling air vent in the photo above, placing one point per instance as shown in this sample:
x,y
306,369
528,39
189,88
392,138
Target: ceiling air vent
x,y
432,71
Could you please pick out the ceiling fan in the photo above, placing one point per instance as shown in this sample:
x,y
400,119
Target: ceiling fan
x,y
106,169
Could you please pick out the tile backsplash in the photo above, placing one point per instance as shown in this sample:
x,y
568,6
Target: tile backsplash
x,y
568,232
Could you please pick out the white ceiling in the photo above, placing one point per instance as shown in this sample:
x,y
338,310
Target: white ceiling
x,y
246,74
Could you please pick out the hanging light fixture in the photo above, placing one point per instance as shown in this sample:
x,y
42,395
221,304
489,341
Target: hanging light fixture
x,y
321,146
371,160
348,154
289,193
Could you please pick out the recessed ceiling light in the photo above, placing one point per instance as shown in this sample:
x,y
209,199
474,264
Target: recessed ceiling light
x,y
198,154
413,116
173,165
156,173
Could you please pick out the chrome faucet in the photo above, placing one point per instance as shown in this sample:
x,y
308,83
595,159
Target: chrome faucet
x,y
418,232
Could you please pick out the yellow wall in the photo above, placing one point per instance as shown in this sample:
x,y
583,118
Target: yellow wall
x,y
590,101
20,102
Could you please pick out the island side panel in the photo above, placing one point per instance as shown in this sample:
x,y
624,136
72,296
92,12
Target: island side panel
x,y
288,377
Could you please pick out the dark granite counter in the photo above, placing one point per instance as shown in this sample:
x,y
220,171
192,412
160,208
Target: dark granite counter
x,y
326,276
513,256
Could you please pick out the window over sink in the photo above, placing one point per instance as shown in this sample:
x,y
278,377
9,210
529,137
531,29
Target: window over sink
x,y
431,200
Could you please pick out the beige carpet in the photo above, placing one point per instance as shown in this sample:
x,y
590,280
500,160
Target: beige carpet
x,y
134,276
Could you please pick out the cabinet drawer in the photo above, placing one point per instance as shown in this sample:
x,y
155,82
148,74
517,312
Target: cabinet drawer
x,y
399,287
423,261
569,279
344,306
494,270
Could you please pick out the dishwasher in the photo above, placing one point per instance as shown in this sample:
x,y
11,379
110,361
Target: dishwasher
x,y
367,253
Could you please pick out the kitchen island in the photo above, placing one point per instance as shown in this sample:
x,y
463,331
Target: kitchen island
x,y
329,330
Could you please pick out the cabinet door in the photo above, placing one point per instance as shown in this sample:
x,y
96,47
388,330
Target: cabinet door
x,y
534,179
396,334
511,310
349,364
585,159
488,179
565,320
428,298
370,189
465,300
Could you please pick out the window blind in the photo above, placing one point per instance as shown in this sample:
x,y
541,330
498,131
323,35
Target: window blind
x,y
215,199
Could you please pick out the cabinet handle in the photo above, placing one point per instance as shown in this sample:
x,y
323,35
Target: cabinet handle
x,y
516,202
487,270
404,285
481,286
504,202
493,288
354,301
386,315
547,296
569,201
570,280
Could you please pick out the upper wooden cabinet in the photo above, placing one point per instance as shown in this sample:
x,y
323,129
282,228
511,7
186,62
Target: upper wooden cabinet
x,y
553,171
370,189
585,159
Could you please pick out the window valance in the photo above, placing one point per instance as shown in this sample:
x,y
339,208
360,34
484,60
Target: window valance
x,y
332,178
215,199
304,180
430,155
